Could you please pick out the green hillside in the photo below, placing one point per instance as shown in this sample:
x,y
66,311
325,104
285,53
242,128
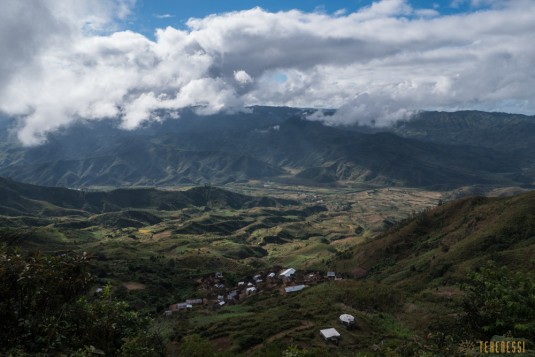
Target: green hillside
x,y
439,246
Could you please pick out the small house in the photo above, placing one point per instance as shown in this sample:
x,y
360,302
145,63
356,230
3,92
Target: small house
x,y
250,290
287,274
218,275
330,335
347,320
331,275
271,275
194,301
293,289
182,305
179,306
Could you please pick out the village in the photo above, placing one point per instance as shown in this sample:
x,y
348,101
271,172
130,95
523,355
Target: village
x,y
285,280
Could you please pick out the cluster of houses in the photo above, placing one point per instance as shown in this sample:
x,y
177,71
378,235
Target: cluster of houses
x,y
218,294
287,280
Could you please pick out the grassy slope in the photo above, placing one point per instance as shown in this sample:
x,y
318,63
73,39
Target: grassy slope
x,y
420,265
440,245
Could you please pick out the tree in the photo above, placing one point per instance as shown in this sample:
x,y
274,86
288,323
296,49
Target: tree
x,y
37,290
500,301
43,310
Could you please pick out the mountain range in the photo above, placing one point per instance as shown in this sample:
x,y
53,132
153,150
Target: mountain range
x,y
433,150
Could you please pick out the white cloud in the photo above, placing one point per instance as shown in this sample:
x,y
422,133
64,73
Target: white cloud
x,y
60,62
371,110
340,12
163,16
124,8
427,12
242,77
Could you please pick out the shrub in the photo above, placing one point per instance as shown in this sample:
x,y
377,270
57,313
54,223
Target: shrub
x,y
498,301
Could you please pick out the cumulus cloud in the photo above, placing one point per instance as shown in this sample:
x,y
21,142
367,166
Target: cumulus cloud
x,y
376,111
67,62
242,77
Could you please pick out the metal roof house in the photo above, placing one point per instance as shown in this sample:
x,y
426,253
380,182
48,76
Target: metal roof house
x,y
194,301
292,289
330,335
347,320
180,306
287,273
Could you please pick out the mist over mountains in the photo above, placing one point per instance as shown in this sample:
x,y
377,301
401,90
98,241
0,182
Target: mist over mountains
x,y
433,149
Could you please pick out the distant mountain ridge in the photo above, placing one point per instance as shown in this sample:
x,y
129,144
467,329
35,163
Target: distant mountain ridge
x,y
509,133
434,149
19,199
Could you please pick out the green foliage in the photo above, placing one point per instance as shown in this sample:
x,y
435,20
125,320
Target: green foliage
x,y
196,346
37,291
498,301
103,323
44,312
247,341
144,344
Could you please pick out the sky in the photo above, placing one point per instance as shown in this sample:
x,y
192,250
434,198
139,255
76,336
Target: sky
x,y
374,61
148,15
